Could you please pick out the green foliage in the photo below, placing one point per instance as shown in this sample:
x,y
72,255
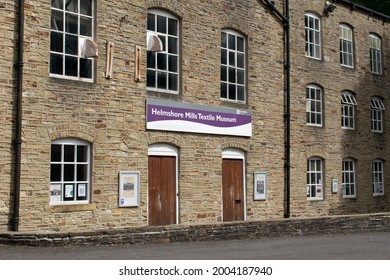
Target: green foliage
x,y
381,6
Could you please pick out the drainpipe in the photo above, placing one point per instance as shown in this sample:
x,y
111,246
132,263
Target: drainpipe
x,y
17,142
285,19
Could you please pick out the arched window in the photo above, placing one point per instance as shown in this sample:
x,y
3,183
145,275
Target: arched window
x,y
349,181
378,178
70,167
314,105
313,36
163,66
315,178
348,104
233,66
346,46
377,109
375,44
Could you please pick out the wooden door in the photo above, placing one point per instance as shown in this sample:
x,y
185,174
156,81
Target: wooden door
x,y
232,190
162,190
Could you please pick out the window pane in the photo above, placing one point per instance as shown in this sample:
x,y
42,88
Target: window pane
x,y
223,90
71,5
86,68
71,66
232,75
55,154
232,41
240,60
232,59
56,64
173,83
57,21
71,44
55,172
82,172
56,42
223,40
232,92
68,172
59,4
69,153
240,93
161,61
151,59
240,44
161,24
151,78
71,23
172,63
151,22
224,73
172,45
162,80
86,7
223,57
240,77
172,27
82,153
86,26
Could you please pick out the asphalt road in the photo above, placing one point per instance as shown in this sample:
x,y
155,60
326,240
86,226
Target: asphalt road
x,y
367,246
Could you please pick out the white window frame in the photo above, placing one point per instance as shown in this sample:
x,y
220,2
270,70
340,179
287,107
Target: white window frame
x,y
75,182
233,60
346,46
64,34
312,36
348,108
349,178
314,105
377,109
315,179
375,44
168,67
378,184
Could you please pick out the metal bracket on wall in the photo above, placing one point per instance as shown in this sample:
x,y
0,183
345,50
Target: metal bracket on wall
x,y
137,74
109,60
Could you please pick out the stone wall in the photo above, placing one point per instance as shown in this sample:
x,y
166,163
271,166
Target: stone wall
x,y
110,113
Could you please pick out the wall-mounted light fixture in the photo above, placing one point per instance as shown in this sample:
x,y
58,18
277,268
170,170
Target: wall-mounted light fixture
x,y
329,7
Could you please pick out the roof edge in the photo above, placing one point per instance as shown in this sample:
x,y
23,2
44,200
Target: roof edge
x,y
355,6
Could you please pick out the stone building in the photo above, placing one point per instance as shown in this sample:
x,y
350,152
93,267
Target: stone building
x,y
148,113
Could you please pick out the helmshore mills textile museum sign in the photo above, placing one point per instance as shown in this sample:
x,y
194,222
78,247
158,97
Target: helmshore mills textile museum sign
x,y
186,117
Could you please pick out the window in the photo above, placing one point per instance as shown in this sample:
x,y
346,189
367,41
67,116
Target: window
x,y
313,36
69,171
377,178
163,67
349,187
346,46
314,178
348,103
375,54
232,66
71,22
313,105
377,109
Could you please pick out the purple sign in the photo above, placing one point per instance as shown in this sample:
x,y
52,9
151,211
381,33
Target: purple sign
x,y
185,117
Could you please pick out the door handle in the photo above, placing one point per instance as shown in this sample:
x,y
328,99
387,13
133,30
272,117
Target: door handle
x,y
238,201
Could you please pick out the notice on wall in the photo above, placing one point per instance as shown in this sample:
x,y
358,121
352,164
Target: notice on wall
x,y
186,117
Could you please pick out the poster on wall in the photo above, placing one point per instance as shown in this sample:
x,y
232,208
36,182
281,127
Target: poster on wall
x,y
129,188
55,192
260,186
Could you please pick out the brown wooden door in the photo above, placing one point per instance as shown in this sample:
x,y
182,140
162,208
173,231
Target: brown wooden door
x,y
232,190
162,190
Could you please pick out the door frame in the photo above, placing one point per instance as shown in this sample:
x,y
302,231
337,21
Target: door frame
x,y
231,153
168,151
